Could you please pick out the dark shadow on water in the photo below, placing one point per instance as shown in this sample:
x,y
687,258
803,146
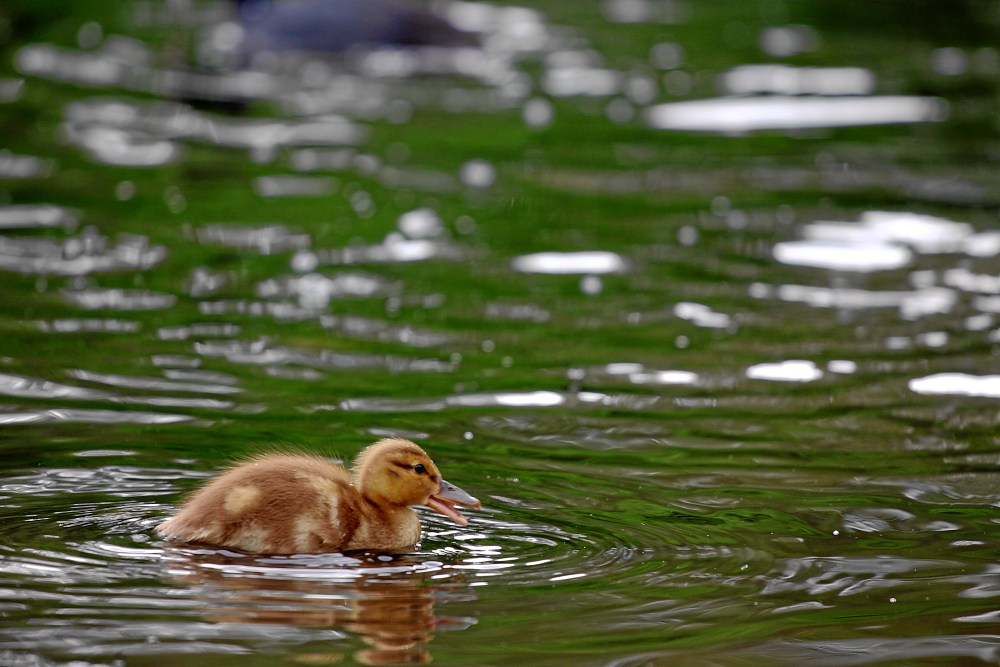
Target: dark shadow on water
x,y
960,21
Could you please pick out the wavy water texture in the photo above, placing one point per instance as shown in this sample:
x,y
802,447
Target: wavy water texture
x,y
700,299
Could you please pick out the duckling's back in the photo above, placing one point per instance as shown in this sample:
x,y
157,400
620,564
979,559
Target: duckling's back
x,y
278,504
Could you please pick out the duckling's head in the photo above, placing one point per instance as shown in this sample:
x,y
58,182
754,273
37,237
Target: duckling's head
x,y
396,472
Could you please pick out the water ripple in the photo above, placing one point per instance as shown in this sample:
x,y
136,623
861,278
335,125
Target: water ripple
x,y
371,329
260,353
66,415
89,325
737,115
315,290
116,481
159,120
984,648
33,216
29,387
119,299
89,532
561,263
393,250
510,399
264,239
85,253
151,383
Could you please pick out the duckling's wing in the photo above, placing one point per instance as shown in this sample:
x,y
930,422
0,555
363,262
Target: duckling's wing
x,y
278,504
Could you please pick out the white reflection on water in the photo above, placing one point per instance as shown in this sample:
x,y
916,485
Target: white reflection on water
x,y
640,374
505,30
860,257
31,387
923,233
570,263
529,399
702,316
92,68
294,186
130,132
214,377
786,80
967,281
949,61
788,40
88,325
951,649
175,361
119,299
477,173
38,388
961,384
121,148
663,377
264,239
736,115
417,178
643,11
282,311
78,255
912,304
316,291
24,166
71,415
395,248
315,159
260,353
882,240
842,366
30,216
373,329
151,383
523,399
517,312
421,223
198,329
538,113
793,370
581,81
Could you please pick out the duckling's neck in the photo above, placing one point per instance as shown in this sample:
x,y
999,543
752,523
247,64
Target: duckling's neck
x,y
394,528
390,511
371,496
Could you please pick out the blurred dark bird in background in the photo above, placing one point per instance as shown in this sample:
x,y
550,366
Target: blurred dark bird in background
x,y
326,29
330,26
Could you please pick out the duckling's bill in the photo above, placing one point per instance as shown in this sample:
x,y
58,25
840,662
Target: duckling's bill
x,y
444,501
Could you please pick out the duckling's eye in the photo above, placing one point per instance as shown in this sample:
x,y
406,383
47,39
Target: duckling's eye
x,y
419,469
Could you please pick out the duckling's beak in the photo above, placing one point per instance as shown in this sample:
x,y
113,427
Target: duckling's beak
x,y
444,501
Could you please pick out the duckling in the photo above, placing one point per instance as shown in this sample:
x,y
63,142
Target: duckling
x,y
295,503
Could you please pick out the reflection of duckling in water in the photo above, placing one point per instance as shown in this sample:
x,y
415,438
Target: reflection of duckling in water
x,y
290,503
391,606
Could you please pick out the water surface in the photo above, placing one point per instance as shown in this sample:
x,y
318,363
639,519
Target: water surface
x,y
700,299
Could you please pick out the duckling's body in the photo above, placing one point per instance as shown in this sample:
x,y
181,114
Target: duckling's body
x,y
293,503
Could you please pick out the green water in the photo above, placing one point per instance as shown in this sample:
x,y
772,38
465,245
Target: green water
x,y
711,453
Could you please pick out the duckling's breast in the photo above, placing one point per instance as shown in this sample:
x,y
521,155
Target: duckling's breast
x,y
395,530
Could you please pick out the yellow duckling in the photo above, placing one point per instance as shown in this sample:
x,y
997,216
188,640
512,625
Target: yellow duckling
x,y
295,503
